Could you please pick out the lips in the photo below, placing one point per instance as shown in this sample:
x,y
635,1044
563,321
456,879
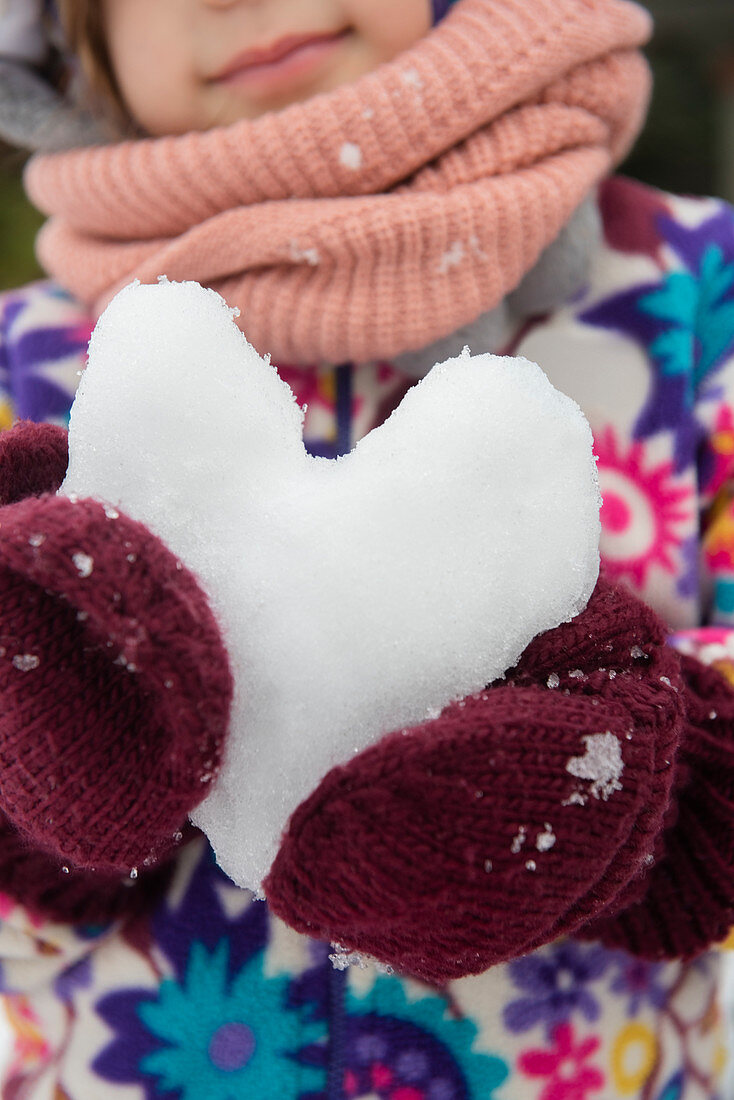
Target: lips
x,y
289,48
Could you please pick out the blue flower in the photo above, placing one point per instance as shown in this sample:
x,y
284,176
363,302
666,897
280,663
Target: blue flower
x,y
673,1089
74,978
226,1038
555,983
391,1044
687,584
187,925
641,980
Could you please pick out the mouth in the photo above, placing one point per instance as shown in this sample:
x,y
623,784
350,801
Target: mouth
x,y
268,67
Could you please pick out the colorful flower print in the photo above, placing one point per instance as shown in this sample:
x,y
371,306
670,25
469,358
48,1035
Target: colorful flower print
x,y
6,411
400,1050
708,253
341,404
225,1039
9,905
634,1056
718,550
565,1067
641,511
685,323
555,983
325,396
30,1048
41,359
719,539
208,902
630,213
309,385
673,1089
639,979
440,8
687,584
721,452
712,646
216,908
74,978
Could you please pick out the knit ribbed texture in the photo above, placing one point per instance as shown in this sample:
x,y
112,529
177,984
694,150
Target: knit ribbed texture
x,y
52,888
384,215
428,851
114,681
33,460
693,875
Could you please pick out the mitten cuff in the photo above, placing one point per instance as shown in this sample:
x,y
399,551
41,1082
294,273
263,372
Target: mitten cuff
x,y
53,890
115,685
684,901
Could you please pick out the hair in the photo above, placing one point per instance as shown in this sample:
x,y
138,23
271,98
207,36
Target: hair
x,y
83,26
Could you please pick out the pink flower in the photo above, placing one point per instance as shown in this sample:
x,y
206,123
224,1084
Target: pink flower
x,y
569,1078
306,383
9,905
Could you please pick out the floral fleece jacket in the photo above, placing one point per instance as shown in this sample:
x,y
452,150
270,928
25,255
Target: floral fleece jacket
x,y
208,997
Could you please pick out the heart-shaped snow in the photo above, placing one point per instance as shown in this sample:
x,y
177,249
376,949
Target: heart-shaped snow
x,y
355,597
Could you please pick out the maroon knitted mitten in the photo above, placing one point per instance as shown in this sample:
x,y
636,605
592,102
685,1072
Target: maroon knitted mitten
x,y
685,901
33,460
517,816
54,889
115,685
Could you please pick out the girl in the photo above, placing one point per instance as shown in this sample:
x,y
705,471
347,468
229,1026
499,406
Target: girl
x,y
374,188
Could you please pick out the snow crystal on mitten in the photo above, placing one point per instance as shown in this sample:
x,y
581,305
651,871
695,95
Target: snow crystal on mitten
x,y
355,597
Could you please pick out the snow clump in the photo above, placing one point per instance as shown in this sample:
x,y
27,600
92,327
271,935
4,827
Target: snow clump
x,y
355,596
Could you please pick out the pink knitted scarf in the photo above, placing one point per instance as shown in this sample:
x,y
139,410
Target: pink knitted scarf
x,y
379,217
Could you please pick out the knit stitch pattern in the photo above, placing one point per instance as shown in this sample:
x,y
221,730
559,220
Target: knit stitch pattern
x,y
33,461
115,683
694,871
59,891
427,850
447,172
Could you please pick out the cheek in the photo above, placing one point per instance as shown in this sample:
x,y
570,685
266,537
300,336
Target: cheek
x,y
156,94
387,27
151,67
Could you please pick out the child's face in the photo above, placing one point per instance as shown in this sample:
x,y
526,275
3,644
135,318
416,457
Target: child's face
x,y
184,65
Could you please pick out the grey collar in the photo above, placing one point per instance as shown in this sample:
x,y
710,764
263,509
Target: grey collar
x,y
34,116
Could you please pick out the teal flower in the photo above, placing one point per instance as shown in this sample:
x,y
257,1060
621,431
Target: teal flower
x,y
700,312
229,1037
676,302
395,1047
685,323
